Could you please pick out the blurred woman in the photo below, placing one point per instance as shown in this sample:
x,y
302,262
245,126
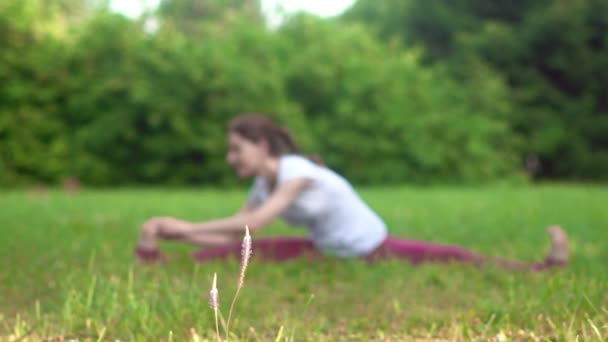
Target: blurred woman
x,y
305,193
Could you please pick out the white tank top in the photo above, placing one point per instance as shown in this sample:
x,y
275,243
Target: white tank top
x,y
338,220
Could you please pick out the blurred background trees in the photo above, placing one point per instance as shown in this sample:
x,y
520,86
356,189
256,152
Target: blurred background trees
x,y
552,55
408,91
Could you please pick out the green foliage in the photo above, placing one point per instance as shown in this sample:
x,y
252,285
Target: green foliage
x,y
552,53
110,100
556,61
438,24
162,106
112,104
189,16
33,139
381,117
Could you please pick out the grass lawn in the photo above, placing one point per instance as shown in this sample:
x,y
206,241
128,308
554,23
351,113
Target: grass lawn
x,y
67,270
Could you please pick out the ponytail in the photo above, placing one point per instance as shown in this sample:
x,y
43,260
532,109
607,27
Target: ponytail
x,y
285,143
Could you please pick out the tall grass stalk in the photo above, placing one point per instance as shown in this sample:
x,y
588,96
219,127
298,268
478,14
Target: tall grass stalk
x,y
245,255
214,302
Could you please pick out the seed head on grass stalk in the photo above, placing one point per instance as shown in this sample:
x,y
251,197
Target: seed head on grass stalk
x,y
214,302
245,256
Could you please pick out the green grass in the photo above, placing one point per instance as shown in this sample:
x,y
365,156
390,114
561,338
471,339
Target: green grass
x,y
67,269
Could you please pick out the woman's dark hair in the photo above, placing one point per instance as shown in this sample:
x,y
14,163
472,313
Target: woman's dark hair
x,y
255,127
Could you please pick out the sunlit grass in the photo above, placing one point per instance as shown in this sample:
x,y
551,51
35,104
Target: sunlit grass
x,y
67,269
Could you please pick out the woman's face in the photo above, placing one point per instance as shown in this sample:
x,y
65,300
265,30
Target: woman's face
x,y
245,156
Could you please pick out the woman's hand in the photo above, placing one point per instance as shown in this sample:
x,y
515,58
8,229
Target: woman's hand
x,y
151,230
160,227
165,227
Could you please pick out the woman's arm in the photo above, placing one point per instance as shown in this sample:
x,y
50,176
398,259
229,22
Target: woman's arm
x,y
224,230
256,218
259,217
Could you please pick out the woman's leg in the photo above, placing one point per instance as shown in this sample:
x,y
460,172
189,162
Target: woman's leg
x,y
420,251
223,246
267,249
557,257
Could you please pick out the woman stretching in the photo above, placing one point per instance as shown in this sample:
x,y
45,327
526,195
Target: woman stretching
x,y
305,193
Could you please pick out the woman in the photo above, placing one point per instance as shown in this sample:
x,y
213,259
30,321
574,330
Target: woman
x,y
305,193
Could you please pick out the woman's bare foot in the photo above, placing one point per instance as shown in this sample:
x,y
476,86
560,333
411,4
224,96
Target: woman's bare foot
x,y
559,254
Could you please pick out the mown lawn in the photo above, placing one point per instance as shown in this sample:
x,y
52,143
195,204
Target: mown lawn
x,y
67,271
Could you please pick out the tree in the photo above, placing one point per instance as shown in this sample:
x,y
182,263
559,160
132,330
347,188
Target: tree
x,y
380,116
552,53
188,16
33,142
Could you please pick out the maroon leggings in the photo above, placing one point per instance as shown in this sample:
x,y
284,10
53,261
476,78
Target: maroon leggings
x,y
279,249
